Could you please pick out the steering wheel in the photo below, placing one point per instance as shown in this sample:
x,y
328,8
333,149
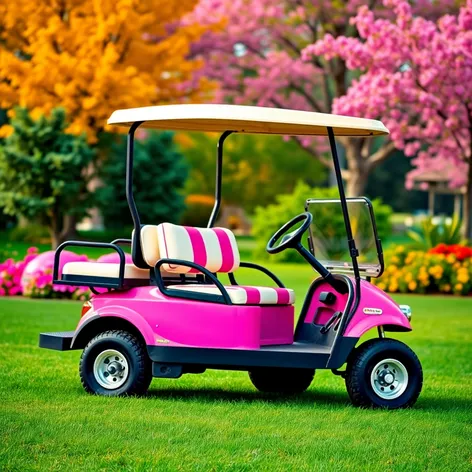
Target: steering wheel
x,y
290,240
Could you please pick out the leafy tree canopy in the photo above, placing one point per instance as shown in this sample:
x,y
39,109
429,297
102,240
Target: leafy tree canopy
x,y
43,172
93,57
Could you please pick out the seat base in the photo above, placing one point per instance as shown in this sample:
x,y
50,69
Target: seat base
x,y
104,269
245,295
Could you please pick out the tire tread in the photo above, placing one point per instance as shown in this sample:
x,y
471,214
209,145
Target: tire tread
x,y
144,378
354,371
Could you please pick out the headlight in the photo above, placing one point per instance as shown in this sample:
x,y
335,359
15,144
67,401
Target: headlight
x,y
406,310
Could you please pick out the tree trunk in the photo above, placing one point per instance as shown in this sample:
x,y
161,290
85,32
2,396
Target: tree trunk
x,y
54,233
356,183
357,171
69,230
62,229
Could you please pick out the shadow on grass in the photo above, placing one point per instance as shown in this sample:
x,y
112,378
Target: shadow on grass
x,y
332,398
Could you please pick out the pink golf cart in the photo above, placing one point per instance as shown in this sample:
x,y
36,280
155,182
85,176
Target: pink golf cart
x,y
169,312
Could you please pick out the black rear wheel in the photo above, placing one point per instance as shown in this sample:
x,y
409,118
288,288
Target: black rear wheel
x,y
384,373
115,363
279,380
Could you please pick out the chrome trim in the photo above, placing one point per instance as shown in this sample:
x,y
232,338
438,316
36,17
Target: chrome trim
x,y
406,310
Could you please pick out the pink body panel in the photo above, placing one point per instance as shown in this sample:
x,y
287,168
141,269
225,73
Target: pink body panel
x,y
177,322
375,300
320,313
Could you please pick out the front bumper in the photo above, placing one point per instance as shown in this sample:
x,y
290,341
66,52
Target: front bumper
x,y
60,341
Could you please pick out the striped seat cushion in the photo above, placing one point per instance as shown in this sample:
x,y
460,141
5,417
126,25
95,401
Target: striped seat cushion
x,y
104,269
213,248
244,295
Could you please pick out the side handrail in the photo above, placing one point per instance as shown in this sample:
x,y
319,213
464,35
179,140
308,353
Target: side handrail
x,y
122,241
187,293
251,265
112,245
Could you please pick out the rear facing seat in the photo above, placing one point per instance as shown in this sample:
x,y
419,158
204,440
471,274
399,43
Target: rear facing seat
x,y
103,269
90,273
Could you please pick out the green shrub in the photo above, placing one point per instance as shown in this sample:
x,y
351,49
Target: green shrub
x,y
429,234
159,175
30,233
267,220
44,172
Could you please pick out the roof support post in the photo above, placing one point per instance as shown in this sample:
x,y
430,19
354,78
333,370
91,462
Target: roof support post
x,y
136,250
219,177
354,253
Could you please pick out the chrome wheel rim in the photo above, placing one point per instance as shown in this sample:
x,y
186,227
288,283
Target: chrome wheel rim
x,y
389,379
110,369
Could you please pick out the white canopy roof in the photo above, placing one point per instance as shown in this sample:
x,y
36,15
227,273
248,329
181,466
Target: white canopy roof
x,y
245,119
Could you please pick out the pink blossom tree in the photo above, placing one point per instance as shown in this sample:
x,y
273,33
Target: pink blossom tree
x,y
257,57
416,76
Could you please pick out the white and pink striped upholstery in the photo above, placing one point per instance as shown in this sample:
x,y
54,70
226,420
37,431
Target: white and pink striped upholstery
x,y
212,248
244,295
149,244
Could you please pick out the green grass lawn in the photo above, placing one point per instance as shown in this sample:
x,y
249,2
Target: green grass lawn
x,y
217,421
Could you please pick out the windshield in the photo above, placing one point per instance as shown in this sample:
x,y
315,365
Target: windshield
x,y
328,241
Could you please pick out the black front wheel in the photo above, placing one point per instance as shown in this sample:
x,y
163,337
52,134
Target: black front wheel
x,y
115,363
384,373
280,380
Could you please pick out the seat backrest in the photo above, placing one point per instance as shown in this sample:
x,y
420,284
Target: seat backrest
x,y
149,244
213,248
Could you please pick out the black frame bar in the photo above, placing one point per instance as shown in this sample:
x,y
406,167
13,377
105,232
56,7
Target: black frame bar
x,y
252,265
342,196
100,282
219,178
136,250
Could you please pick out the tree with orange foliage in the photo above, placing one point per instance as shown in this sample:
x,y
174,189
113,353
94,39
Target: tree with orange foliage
x,y
94,56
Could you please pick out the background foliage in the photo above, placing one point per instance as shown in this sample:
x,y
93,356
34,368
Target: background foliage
x,y
44,172
94,57
256,168
268,220
443,269
159,176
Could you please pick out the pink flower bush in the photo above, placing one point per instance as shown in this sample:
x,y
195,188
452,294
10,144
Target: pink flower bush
x,y
38,284
36,281
11,272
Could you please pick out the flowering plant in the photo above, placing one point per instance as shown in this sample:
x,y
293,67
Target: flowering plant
x,y
11,272
38,284
458,250
443,269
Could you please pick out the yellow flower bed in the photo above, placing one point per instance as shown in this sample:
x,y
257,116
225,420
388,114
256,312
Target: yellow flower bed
x,y
422,272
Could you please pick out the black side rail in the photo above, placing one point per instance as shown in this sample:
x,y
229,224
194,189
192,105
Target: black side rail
x,y
188,294
127,242
251,265
101,283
